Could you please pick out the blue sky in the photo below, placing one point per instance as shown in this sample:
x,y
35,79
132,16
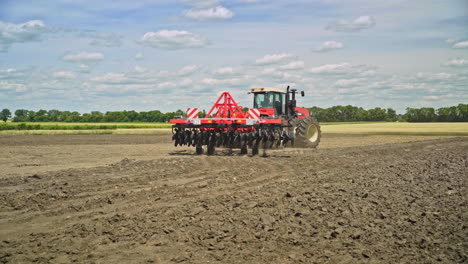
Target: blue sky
x,y
87,55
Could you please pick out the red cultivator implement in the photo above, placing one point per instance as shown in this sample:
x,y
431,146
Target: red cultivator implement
x,y
273,122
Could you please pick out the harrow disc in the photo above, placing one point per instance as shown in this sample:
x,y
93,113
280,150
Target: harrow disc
x,y
230,137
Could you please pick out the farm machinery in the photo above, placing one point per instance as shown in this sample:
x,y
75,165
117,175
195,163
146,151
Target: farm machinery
x,y
274,121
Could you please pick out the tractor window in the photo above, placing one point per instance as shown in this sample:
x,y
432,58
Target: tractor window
x,y
269,100
278,103
263,100
258,100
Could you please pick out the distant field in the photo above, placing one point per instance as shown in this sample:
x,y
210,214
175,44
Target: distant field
x,y
394,128
368,128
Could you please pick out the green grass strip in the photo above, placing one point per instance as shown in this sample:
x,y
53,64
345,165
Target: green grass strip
x,y
26,126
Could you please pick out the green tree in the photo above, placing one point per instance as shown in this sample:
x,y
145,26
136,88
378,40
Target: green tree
x,y
31,115
377,114
21,115
41,116
5,114
462,112
73,117
64,115
96,116
53,115
391,114
153,116
131,115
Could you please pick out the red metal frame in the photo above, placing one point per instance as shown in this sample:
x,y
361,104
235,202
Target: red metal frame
x,y
226,111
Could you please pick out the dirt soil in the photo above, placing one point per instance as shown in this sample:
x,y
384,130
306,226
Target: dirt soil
x,y
137,199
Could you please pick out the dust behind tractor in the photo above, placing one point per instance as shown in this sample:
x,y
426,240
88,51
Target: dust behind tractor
x,y
274,122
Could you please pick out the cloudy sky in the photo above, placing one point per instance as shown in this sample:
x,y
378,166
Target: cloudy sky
x,y
85,55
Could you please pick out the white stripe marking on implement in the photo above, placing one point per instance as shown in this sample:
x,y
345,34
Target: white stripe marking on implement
x,y
254,113
192,112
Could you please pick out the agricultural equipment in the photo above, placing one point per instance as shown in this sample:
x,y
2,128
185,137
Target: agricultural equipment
x,y
274,121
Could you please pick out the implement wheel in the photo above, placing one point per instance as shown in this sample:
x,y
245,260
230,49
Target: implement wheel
x,y
308,132
199,149
211,149
243,150
254,149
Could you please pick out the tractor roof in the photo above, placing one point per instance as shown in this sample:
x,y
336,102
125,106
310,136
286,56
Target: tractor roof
x,y
265,89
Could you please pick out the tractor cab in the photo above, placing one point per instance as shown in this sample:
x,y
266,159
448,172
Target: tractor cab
x,y
270,101
273,102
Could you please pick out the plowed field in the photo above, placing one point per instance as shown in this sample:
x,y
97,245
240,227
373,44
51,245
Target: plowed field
x,y
137,199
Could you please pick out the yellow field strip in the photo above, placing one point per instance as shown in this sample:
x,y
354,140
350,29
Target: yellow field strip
x,y
430,129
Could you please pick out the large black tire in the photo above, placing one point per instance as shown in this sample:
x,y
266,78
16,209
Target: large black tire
x,y
307,132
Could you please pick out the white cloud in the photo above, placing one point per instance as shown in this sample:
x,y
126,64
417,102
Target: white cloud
x,y
185,82
347,82
279,75
458,62
461,45
11,73
187,70
83,57
15,87
249,1
19,33
10,70
231,82
202,3
274,58
443,76
293,65
140,69
332,68
360,23
84,68
214,13
104,39
268,71
111,77
228,71
167,85
64,75
344,68
139,56
172,39
330,45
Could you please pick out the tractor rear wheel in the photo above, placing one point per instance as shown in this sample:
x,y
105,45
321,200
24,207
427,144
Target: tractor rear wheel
x,y
308,132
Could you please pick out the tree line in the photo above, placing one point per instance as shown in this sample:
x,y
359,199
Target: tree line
x,y
351,113
337,113
23,115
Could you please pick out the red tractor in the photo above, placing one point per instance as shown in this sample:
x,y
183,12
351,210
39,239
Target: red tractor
x,y
274,121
